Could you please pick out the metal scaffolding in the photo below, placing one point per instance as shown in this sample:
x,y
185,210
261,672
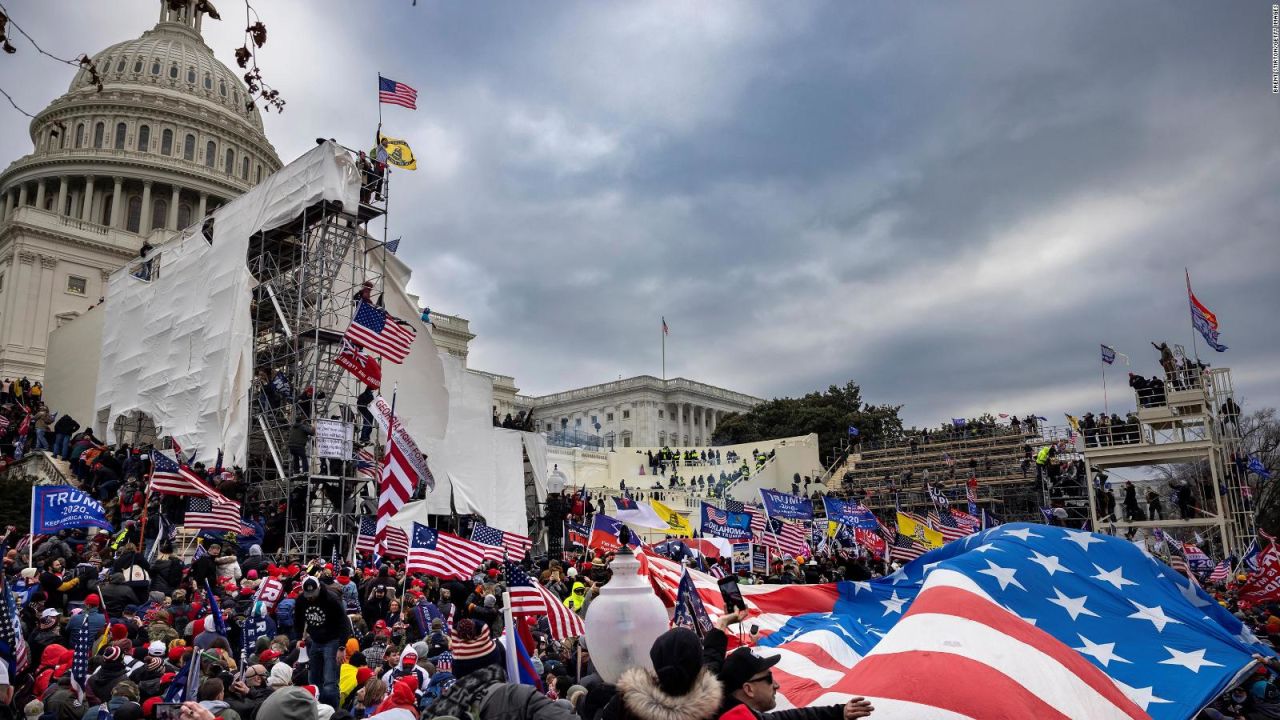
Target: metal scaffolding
x,y
309,273
1191,419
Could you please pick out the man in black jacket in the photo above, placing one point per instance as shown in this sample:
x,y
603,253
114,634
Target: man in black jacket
x,y
325,624
63,429
205,568
748,682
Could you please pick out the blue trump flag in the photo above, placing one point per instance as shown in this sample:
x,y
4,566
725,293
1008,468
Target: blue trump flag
x,y
785,505
1165,643
1257,468
850,513
725,524
62,507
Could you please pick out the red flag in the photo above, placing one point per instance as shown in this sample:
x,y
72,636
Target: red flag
x,y
871,540
365,368
1263,585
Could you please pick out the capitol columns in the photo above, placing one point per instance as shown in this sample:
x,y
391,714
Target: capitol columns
x,y
117,203
22,194
144,226
40,193
86,213
171,223
61,208
204,201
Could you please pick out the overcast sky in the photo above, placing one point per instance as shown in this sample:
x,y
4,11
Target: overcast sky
x,y
951,204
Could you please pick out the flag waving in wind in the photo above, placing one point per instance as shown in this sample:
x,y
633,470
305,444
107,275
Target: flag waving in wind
x,y
396,93
1204,321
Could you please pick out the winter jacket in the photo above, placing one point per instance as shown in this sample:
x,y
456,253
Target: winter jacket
x,y
219,708
509,701
166,575
66,425
640,698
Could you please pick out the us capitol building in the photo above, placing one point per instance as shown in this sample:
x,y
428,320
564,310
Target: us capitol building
x,y
172,136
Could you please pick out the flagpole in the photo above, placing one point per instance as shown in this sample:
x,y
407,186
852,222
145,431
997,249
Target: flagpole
x,y
664,348
1195,348
1105,408
31,534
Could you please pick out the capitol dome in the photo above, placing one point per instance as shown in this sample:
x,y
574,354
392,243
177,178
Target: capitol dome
x,y
172,135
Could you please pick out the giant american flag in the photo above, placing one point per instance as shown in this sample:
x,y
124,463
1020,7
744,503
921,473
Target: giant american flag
x,y
397,545
1014,609
376,331
500,544
443,555
529,597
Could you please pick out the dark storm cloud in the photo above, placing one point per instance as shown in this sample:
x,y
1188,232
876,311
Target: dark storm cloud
x,y
951,204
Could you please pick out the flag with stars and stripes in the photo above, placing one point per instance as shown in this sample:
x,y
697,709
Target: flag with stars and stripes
x,y
789,537
13,647
205,514
1221,572
366,539
500,544
366,464
81,649
953,524
529,597
170,478
1020,620
900,547
442,555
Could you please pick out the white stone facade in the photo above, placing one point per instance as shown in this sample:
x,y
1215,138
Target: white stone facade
x,y
642,411
171,136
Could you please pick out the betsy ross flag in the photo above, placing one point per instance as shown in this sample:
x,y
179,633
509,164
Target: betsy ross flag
x,y
499,544
396,93
373,329
358,363
443,555
1203,319
170,478
397,539
205,514
528,597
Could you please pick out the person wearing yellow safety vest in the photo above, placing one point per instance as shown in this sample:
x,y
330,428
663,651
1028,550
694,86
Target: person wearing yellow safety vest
x,y
1043,458
577,597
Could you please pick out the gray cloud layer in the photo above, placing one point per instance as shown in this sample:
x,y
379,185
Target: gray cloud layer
x,y
950,204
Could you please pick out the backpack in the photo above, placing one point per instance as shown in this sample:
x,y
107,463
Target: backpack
x,y
284,612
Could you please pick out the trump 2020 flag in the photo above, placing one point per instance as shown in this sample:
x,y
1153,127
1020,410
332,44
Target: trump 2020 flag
x,y
1203,319
785,505
62,507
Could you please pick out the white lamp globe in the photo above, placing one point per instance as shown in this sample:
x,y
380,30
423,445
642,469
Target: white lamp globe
x,y
624,620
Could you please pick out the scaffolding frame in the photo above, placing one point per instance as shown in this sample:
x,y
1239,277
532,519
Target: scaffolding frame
x,y
309,272
1194,421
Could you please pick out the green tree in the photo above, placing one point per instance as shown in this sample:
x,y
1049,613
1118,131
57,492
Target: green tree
x,y
830,414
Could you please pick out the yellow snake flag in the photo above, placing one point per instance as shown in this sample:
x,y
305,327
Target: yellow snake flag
x,y
919,532
677,524
398,153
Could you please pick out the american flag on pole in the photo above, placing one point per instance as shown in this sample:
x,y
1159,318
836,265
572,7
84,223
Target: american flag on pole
x,y
789,537
443,555
82,648
900,547
1221,572
499,544
953,524
170,478
376,331
13,647
396,485
205,514
529,597
397,540
396,93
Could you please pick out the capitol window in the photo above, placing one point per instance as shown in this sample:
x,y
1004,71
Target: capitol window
x,y
159,213
166,142
259,173
208,81
133,221
144,138
210,154
98,131
120,66
137,65
184,215
660,414
626,414
244,169
189,147
155,68
173,71
222,87
76,285
608,417
121,130
191,75
230,165
79,135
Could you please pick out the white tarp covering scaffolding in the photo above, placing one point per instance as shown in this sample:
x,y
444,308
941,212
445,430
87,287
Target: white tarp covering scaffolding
x,y
178,347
